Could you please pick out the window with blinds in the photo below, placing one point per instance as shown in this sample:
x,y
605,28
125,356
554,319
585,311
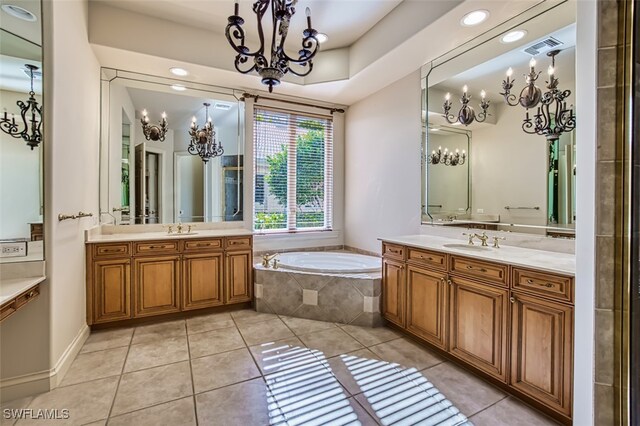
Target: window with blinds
x,y
293,176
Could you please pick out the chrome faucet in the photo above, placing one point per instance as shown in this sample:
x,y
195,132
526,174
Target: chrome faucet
x,y
267,258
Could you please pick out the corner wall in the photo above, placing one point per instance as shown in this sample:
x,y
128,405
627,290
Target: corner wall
x,y
382,154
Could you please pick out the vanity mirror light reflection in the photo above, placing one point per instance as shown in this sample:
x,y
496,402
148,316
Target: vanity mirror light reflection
x,y
152,172
21,168
507,179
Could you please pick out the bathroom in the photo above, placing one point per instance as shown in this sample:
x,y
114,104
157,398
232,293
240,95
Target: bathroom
x,y
149,234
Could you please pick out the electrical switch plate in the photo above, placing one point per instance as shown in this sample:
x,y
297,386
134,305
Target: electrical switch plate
x,y
13,248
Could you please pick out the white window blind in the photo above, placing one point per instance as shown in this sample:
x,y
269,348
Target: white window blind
x,y
293,176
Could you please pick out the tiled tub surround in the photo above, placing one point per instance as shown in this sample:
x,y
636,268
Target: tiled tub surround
x,y
342,298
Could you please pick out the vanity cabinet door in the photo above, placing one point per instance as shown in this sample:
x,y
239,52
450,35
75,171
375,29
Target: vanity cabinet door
x,y
202,279
393,291
427,305
238,276
111,290
478,325
541,350
157,285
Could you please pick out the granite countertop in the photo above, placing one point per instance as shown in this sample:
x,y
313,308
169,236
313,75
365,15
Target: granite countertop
x,y
13,287
148,236
563,263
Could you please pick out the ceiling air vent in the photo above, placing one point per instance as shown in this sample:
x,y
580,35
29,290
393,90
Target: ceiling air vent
x,y
222,106
545,45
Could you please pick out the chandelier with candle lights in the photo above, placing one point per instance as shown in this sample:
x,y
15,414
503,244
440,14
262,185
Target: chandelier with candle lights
x,y
447,157
203,140
272,65
30,113
154,132
466,115
552,117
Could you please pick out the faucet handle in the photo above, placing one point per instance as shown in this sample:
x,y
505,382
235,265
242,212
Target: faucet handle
x,y
471,236
189,228
496,241
169,229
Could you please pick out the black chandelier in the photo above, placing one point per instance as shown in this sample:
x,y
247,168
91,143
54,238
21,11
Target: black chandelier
x,y
466,115
552,117
447,157
151,131
30,128
275,64
203,141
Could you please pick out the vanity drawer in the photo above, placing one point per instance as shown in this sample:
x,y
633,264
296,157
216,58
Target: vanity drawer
x,y
154,247
109,250
198,245
393,251
7,309
427,258
492,272
27,296
543,284
238,243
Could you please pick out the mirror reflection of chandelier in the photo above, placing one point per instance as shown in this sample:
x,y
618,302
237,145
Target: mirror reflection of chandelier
x,y
466,115
203,140
30,113
153,132
552,117
447,157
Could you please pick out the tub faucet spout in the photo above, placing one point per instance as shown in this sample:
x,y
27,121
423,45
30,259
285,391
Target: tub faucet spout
x,y
267,258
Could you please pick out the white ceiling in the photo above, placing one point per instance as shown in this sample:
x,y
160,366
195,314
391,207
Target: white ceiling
x,y
345,21
31,31
13,78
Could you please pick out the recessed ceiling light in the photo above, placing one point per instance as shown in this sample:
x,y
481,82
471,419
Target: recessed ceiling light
x,y
513,36
474,18
178,87
322,38
181,72
19,12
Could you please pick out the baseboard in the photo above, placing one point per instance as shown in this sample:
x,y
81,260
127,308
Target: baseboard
x,y
46,380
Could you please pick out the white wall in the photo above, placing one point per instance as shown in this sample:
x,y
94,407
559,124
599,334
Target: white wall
x,y
448,186
19,176
382,153
72,105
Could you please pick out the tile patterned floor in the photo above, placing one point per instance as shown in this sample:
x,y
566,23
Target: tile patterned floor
x,y
246,368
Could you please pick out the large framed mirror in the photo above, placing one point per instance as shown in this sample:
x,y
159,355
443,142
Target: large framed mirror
x,y
518,171
21,145
171,151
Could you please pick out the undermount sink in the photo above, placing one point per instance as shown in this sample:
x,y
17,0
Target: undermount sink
x,y
175,234
468,247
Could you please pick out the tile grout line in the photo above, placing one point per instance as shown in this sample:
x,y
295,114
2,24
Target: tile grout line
x,y
193,386
487,407
115,394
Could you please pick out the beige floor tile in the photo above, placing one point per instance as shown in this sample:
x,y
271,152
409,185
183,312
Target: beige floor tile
x,y
281,355
102,422
86,402
466,391
95,365
107,339
230,405
511,412
305,326
216,341
180,412
331,342
364,417
163,330
255,333
15,404
370,336
142,389
215,371
247,316
406,353
204,323
155,353
346,366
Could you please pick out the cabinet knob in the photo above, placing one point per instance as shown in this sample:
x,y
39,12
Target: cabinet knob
x,y
449,282
512,299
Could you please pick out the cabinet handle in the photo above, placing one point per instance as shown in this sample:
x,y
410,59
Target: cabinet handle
x,y
512,299
548,285
449,282
30,294
472,268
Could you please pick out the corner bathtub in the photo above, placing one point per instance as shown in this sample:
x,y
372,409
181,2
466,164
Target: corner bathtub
x,y
327,286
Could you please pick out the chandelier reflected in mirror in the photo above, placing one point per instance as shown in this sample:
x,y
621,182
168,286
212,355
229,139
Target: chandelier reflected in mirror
x,y
552,117
466,115
272,65
30,114
154,132
447,157
203,140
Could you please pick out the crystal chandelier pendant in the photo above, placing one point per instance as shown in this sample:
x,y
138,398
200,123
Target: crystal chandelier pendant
x,y
203,140
31,116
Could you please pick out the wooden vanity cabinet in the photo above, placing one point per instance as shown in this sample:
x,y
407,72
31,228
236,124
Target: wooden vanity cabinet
x,y
393,291
427,304
128,280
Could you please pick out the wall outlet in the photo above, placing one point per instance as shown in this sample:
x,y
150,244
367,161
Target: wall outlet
x,y
13,248
479,210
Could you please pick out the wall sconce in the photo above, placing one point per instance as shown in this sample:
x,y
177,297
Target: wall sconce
x,y
466,114
448,158
151,131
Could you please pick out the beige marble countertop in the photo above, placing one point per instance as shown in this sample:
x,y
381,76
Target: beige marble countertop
x,y
148,236
15,286
562,263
